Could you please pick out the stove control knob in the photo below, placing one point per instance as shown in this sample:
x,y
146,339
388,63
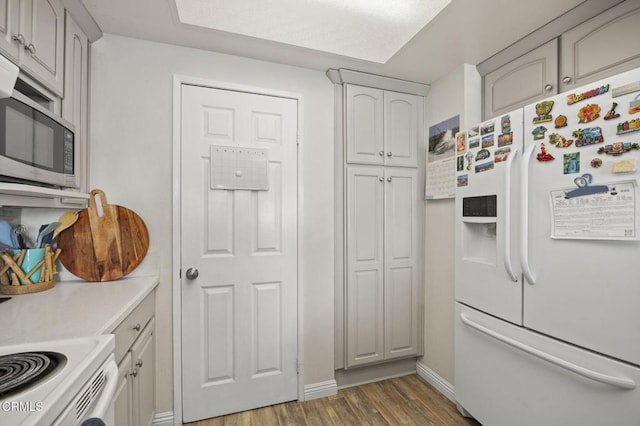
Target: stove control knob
x,y
192,273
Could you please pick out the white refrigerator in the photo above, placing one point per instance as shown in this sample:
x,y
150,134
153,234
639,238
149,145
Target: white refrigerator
x,y
547,328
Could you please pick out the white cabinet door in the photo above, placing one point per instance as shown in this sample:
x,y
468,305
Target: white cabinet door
x,y
401,257
601,47
74,103
143,360
43,50
364,125
9,18
365,263
529,78
401,129
123,398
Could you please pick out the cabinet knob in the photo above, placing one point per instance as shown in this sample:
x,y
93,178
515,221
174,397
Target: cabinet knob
x,y
19,38
31,48
137,327
389,154
389,179
381,153
548,87
381,179
134,373
139,363
566,79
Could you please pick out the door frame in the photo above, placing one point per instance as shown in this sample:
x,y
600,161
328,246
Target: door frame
x,y
178,81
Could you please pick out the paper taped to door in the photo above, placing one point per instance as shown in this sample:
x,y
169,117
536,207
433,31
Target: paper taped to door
x,y
239,167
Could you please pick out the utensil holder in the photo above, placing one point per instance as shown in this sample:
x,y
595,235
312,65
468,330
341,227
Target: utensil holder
x,y
17,277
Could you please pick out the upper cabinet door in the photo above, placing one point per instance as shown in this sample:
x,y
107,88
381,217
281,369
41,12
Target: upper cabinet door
x,y
364,123
601,47
401,129
531,77
9,16
43,54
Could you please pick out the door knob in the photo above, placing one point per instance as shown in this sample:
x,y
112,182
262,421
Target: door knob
x,y
566,79
389,179
381,153
381,179
19,38
389,154
31,48
548,87
192,273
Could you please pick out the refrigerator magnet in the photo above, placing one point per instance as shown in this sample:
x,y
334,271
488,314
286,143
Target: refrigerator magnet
x,y
571,163
618,148
559,141
560,121
628,126
505,124
484,167
538,133
469,157
502,154
624,166
483,154
474,143
543,109
463,180
460,163
505,139
487,141
486,127
589,113
611,114
634,105
596,163
543,155
588,136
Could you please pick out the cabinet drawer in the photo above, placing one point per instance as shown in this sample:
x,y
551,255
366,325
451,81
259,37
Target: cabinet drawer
x,y
129,330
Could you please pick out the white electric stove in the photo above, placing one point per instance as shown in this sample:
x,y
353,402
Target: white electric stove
x,y
60,382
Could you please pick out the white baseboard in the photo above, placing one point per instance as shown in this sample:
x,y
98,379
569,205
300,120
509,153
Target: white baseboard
x,y
320,390
164,419
435,380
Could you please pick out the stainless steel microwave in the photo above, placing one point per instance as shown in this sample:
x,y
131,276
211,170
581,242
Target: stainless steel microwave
x,y
36,146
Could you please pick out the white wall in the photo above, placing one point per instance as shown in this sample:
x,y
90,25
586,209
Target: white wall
x,y
131,160
459,93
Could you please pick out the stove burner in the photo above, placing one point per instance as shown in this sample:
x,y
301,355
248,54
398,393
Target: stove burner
x,y
22,370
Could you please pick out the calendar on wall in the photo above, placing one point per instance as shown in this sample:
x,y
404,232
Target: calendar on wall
x,y
239,167
444,142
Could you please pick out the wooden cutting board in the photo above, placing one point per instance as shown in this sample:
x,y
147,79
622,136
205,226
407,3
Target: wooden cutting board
x,y
106,243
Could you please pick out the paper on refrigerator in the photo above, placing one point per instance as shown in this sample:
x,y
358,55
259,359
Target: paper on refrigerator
x,y
612,215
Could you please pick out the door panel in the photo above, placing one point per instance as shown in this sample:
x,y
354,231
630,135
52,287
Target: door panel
x,y
240,315
401,127
597,48
402,230
364,110
9,18
365,280
522,81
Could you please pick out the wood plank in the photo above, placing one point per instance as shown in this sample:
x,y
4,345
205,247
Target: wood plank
x,y
404,400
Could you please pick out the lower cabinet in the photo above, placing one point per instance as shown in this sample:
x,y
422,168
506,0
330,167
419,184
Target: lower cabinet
x,y
134,401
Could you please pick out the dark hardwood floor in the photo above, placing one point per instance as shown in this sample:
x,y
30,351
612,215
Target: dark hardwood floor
x,y
404,400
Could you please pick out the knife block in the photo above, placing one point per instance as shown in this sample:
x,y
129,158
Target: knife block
x,y
14,280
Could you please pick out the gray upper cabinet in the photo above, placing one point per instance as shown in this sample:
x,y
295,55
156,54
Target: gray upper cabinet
x,y
520,82
601,47
9,22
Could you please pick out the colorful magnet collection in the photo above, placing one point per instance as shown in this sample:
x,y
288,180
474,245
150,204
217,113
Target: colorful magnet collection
x,y
584,137
478,154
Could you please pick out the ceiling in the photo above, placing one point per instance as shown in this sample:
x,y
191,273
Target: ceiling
x,y
466,31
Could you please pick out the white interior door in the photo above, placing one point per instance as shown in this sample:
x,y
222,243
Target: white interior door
x,y
239,316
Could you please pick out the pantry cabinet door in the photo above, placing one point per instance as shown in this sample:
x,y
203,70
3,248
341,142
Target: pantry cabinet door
x,y
402,257
529,78
364,125
402,115
365,262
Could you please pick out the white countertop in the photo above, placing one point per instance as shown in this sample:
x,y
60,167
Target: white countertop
x,y
71,309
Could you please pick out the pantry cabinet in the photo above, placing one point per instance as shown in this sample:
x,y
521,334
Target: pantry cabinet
x,y
383,246
134,402
382,127
33,37
595,49
380,211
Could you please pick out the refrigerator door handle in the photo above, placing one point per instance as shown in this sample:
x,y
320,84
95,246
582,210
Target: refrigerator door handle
x,y
524,202
619,382
507,218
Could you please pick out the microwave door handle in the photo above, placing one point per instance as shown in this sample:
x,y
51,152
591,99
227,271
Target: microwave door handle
x,y
106,398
